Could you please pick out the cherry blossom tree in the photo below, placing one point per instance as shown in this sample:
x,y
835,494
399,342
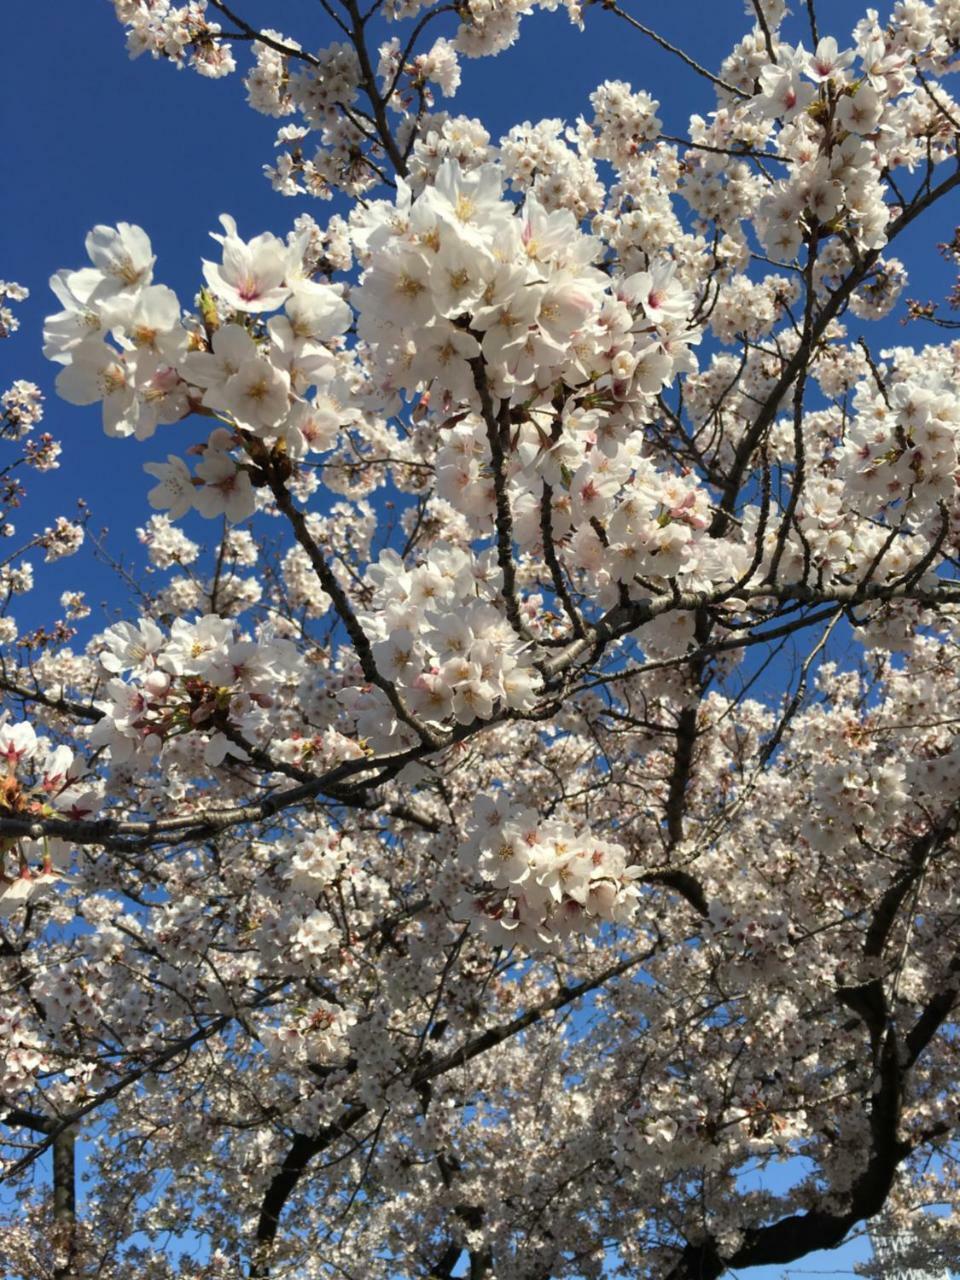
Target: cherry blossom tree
x,y
519,836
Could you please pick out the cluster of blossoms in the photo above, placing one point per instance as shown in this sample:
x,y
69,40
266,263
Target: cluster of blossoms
x,y
181,33
22,408
478,310
202,691
21,1056
624,120
458,273
21,412
40,780
660,1136
901,449
439,638
226,362
539,161
43,453
15,293
317,1034
321,89
199,677
167,544
839,184
64,538
543,878
438,65
465,303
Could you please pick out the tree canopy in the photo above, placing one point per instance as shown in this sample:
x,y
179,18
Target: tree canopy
x,y
513,831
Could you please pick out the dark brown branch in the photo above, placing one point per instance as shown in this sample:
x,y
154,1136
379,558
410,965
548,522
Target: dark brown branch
x,y
814,29
368,80
553,562
765,28
341,602
443,1268
937,1009
504,517
799,464
682,882
411,42
738,152
680,773
79,710
869,1000
283,1183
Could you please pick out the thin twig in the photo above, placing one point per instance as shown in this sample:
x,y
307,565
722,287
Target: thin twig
x,y
613,7
251,33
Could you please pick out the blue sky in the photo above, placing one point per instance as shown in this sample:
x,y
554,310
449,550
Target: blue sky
x,y
90,136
